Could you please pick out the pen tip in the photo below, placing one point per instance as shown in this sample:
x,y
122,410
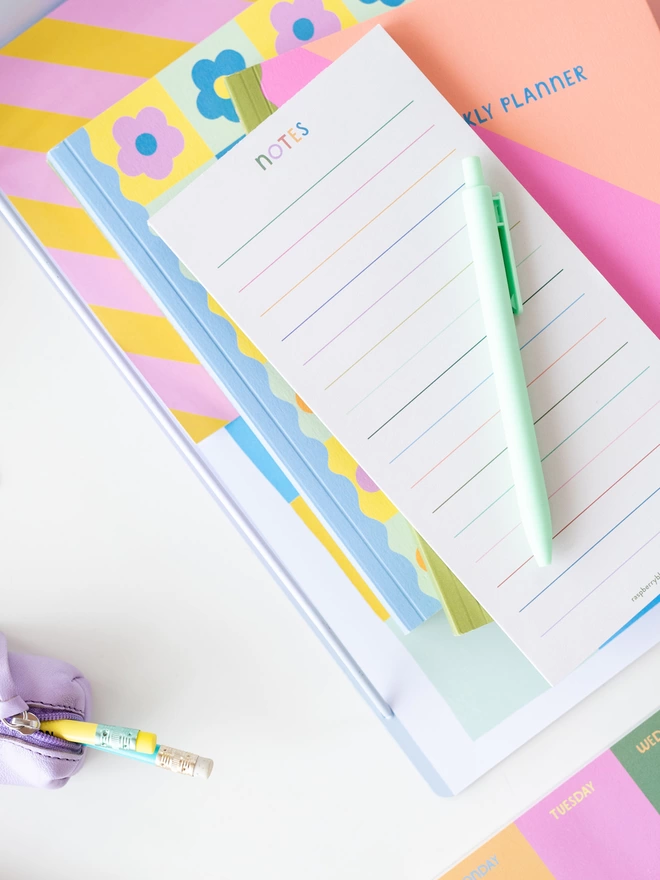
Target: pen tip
x,y
543,556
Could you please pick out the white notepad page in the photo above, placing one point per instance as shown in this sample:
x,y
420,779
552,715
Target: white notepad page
x,y
352,273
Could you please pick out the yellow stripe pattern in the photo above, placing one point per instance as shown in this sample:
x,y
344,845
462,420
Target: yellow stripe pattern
x,y
198,427
319,531
95,48
245,345
151,335
35,130
63,227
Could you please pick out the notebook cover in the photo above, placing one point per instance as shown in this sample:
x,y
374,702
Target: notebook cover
x,y
52,67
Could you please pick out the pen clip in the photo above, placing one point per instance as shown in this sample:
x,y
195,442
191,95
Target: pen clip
x,y
507,253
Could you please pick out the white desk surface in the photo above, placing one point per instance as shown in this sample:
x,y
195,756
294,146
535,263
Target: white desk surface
x,y
114,557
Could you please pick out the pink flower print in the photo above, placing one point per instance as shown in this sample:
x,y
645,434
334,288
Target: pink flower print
x,y
300,22
148,144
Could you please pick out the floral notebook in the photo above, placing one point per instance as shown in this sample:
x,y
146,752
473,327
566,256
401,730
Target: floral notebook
x,y
127,163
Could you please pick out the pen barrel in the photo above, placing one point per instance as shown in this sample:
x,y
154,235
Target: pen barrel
x,y
508,372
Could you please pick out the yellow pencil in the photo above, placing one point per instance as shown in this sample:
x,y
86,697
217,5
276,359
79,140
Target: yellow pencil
x,y
105,735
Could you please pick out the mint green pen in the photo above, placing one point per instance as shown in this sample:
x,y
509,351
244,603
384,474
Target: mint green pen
x,y
499,292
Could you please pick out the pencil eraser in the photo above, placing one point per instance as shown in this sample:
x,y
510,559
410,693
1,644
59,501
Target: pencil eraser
x,y
203,768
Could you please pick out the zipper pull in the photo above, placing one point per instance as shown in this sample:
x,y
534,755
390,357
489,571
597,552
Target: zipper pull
x,y
26,723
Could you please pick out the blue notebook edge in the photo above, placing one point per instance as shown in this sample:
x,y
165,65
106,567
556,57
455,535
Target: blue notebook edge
x,y
184,302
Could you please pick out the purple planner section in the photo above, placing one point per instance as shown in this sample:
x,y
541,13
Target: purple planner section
x,y
596,826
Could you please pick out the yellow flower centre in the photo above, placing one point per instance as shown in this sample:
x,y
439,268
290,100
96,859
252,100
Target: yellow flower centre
x,y
220,87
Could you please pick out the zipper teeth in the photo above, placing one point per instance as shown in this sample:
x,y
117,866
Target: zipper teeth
x,y
55,742
57,716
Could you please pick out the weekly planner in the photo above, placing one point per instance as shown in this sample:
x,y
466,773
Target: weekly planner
x,y
353,274
603,822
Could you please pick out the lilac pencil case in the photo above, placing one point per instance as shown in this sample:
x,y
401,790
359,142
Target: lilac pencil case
x,y
35,689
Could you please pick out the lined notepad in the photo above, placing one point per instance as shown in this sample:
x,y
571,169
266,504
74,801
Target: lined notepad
x,y
353,274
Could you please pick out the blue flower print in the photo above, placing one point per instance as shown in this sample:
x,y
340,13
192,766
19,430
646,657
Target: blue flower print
x,y
386,2
213,100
